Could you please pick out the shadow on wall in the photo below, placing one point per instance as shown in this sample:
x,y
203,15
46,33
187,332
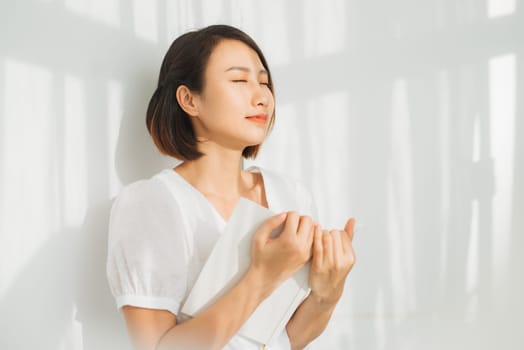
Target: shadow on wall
x,y
60,299
64,285
61,296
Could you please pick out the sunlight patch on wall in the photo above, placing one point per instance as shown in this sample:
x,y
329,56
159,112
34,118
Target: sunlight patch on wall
x,y
277,52
145,18
245,16
106,11
72,336
328,145
472,262
472,273
75,154
180,18
472,257
400,209
212,11
444,117
499,8
26,202
324,28
114,118
502,98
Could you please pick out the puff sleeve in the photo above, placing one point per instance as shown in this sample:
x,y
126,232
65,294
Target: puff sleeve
x,y
148,255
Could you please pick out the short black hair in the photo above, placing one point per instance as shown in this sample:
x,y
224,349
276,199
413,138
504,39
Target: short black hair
x,y
184,64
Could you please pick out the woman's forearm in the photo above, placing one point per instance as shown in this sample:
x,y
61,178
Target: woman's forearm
x,y
214,327
309,321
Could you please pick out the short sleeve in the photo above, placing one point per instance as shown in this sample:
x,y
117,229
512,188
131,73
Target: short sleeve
x,y
147,259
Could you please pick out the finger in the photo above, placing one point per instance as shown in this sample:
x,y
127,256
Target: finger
x,y
317,248
346,241
349,228
263,234
338,252
351,256
305,225
310,238
327,245
292,221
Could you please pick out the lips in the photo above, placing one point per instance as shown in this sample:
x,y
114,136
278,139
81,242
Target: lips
x,y
261,118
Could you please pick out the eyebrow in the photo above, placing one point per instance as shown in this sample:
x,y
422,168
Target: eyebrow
x,y
245,69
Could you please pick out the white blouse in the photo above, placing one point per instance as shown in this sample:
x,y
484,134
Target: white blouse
x,y
162,230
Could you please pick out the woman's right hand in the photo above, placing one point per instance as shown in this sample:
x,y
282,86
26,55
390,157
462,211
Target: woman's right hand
x,y
273,260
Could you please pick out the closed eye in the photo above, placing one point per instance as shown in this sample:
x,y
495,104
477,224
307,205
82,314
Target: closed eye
x,y
245,81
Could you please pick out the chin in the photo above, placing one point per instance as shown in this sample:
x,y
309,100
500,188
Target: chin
x,y
255,139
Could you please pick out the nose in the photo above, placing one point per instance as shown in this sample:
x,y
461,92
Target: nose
x,y
261,95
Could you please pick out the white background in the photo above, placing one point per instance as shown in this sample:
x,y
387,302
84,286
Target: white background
x,y
405,114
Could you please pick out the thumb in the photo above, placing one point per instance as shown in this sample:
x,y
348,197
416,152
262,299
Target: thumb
x,y
265,231
349,228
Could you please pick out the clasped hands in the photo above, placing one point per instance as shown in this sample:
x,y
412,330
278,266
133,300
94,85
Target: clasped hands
x,y
302,240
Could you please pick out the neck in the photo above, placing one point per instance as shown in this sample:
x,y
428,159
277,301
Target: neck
x,y
217,174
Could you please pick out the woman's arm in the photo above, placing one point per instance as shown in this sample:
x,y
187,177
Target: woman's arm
x,y
273,261
213,328
157,329
333,258
308,322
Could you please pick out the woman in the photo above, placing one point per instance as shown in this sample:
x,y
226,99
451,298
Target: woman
x,y
214,105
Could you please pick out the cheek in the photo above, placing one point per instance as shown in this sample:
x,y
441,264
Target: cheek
x,y
214,101
222,104
226,96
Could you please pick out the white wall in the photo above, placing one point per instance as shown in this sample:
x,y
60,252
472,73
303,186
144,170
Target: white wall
x,y
407,115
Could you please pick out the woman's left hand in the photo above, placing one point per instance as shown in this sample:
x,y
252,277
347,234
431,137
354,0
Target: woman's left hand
x,y
333,258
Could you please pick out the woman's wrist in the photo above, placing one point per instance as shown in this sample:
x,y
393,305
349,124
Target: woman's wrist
x,y
255,279
326,301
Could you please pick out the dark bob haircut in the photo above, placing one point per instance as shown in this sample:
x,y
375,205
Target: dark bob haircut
x,y
184,64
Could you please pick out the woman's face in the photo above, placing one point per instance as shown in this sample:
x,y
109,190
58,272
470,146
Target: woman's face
x,y
235,88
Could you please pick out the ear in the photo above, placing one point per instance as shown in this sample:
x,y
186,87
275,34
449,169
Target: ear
x,y
187,100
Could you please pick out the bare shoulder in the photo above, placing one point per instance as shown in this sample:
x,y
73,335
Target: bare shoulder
x,y
147,326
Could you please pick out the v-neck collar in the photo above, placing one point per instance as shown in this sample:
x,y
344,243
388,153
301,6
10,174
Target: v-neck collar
x,y
211,206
